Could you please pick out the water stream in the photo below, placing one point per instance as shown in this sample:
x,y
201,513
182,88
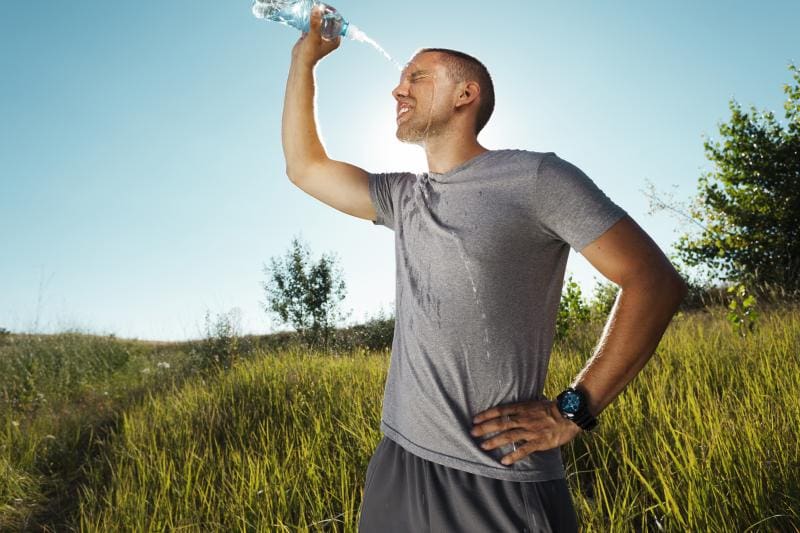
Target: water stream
x,y
355,33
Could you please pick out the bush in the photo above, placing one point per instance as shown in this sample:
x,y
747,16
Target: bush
x,y
376,334
605,294
222,344
572,310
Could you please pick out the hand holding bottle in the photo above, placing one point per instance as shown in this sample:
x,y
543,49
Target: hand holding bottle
x,y
311,47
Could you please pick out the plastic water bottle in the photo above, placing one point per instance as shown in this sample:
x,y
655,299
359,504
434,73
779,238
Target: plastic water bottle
x,y
297,14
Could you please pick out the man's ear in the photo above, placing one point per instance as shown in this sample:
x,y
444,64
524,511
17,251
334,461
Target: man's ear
x,y
469,92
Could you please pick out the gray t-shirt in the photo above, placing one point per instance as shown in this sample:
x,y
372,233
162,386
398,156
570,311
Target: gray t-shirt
x,y
480,258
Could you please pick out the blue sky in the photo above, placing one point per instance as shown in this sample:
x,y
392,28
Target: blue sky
x,y
142,176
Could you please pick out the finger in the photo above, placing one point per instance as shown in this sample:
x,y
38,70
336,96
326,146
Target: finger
x,y
522,452
498,424
316,18
507,437
495,412
333,44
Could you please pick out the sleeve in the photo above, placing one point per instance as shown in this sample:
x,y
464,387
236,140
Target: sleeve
x,y
569,205
384,191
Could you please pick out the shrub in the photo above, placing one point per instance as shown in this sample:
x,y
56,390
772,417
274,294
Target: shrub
x,y
222,345
572,310
605,294
376,334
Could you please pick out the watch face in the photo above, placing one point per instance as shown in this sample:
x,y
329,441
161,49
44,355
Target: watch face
x,y
570,403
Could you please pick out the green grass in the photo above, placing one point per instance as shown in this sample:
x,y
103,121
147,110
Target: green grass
x,y
276,444
705,439
60,395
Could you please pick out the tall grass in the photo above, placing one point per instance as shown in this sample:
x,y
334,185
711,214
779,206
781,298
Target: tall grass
x,y
277,444
59,397
704,439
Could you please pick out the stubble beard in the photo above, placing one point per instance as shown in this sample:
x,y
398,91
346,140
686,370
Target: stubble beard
x,y
412,132
407,133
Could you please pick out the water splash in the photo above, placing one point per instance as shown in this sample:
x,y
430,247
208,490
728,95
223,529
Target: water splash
x,y
355,33
474,292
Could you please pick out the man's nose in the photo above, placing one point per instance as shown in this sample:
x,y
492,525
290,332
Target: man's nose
x,y
400,90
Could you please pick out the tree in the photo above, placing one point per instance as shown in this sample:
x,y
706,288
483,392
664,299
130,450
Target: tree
x,y
748,208
603,299
572,310
304,294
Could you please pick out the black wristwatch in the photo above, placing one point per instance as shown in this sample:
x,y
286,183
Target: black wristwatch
x,y
573,405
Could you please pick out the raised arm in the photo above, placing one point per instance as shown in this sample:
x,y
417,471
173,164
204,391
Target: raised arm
x,y
340,185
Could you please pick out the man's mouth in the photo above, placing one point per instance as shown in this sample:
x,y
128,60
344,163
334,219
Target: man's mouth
x,y
402,112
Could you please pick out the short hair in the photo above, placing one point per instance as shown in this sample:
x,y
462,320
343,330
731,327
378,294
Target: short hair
x,y
464,67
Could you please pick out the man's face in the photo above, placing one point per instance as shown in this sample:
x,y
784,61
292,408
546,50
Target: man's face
x,y
423,107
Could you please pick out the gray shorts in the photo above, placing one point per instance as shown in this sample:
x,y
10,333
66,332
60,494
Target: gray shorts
x,y
405,493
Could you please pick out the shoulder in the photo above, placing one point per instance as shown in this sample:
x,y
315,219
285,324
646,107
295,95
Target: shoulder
x,y
521,163
529,159
394,175
395,179
551,166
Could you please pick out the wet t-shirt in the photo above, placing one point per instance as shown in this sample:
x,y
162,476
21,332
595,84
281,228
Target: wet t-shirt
x,y
480,255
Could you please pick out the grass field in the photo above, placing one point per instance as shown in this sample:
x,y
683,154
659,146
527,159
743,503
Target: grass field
x,y
108,435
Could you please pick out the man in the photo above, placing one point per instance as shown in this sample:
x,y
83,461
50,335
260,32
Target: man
x,y
482,239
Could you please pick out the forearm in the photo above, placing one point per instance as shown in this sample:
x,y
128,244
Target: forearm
x,y
641,314
301,142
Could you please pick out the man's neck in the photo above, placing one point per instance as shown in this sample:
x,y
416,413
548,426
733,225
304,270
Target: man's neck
x,y
445,154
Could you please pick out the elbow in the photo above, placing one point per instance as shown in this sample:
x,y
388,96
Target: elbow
x,y
682,290
291,173
295,175
304,169
674,287
680,286
664,285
